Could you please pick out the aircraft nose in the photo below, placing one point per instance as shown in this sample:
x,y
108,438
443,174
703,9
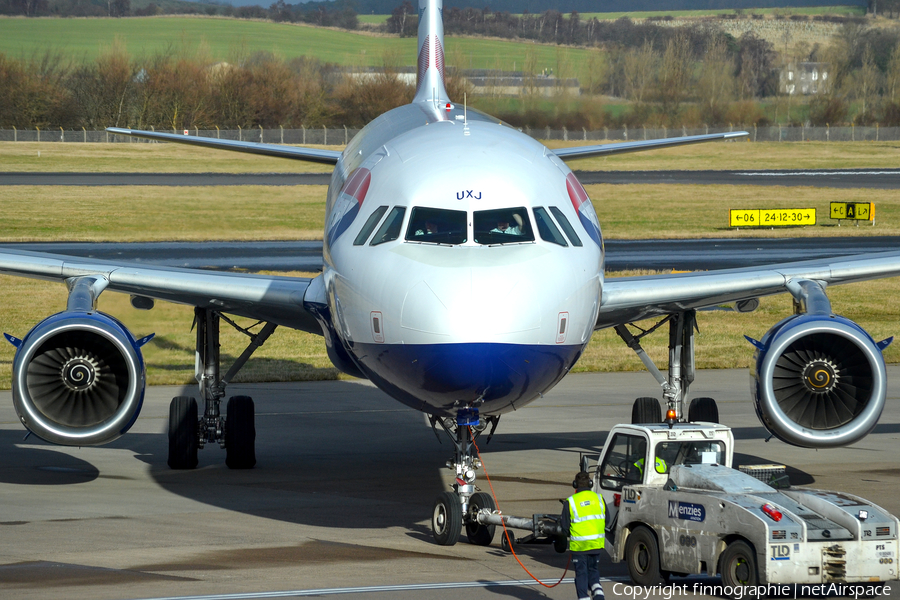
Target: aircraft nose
x,y
446,377
472,306
496,335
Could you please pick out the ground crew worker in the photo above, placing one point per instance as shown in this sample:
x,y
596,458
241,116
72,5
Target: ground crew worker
x,y
661,466
584,517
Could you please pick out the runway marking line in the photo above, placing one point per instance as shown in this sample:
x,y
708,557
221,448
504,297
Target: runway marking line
x,y
378,588
809,173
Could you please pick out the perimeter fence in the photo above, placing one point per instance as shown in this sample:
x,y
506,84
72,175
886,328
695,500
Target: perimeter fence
x,y
342,135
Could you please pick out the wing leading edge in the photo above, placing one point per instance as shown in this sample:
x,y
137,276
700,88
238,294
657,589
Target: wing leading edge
x,y
328,157
627,299
277,300
637,146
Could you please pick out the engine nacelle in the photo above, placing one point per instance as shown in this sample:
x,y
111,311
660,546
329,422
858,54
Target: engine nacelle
x,y
78,379
819,381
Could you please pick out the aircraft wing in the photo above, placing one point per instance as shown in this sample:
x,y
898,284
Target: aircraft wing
x,y
329,157
627,299
639,145
274,299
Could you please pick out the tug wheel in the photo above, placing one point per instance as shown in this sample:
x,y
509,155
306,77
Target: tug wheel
x,y
738,566
642,557
446,519
504,541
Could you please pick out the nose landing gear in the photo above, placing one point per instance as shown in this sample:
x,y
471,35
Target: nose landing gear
x,y
463,505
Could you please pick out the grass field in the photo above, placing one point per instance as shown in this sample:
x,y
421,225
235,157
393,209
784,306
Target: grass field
x,y
261,212
297,212
810,10
795,10
177,158
153,213
373,19
224,39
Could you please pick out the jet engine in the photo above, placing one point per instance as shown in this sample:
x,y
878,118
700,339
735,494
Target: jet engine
x,y
819,381
78,379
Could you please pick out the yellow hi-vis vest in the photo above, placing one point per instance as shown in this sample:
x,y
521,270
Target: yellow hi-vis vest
x,y
587,517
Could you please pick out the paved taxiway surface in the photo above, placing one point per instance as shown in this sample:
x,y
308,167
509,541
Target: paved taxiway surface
x,y
840,178
342,495
620,254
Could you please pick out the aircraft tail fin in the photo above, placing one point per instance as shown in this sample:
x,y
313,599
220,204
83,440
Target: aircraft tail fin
x,y
430,79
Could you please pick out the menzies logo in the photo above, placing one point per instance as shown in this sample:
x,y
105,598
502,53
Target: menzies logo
x,y
686,511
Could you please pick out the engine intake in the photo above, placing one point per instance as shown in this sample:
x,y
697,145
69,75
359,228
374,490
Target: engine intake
x,y
78,379
819,381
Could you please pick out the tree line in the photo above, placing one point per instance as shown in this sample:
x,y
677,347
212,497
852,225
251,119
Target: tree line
x,y
665,76
339,13
169,91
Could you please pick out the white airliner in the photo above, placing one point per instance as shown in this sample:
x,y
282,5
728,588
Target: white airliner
x,y
464,276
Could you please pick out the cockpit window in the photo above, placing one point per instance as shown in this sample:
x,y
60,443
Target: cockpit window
x,y
567,227
437,226
371,222
503,226
390,229
689,453
547,230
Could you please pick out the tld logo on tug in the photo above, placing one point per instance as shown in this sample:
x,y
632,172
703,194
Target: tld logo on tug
x,y
686,511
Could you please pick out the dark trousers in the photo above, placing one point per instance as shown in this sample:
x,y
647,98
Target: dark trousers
x,y
587,575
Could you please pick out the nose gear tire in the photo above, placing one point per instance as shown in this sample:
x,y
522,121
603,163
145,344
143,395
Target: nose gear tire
x,y
478,534
446,520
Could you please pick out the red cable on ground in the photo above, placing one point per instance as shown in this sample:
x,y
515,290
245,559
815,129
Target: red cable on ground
x,y
506,533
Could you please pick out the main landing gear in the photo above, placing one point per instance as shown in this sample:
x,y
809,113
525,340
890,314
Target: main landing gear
x,y
677,383
236,432
465,505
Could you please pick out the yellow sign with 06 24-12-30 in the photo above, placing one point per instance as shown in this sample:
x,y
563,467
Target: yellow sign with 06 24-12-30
x,y
854,211
772,217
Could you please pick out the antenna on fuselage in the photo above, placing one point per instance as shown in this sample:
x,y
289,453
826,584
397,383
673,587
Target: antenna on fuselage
x,y
465,114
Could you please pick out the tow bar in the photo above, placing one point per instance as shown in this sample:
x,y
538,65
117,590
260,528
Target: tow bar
x,y
542,528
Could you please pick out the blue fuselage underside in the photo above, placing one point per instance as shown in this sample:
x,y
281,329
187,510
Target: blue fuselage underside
x,y
440,378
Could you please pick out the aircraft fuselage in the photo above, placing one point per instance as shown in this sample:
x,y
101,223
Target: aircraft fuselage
x,y
463,260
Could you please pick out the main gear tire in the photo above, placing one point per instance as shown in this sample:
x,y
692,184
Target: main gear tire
x,y
646,410
183,428
703,409
240,433
446,519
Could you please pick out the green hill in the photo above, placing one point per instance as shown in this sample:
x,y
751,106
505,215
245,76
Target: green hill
x,y
225,39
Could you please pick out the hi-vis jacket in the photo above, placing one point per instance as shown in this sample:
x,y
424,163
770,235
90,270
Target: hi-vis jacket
x,y
587,521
